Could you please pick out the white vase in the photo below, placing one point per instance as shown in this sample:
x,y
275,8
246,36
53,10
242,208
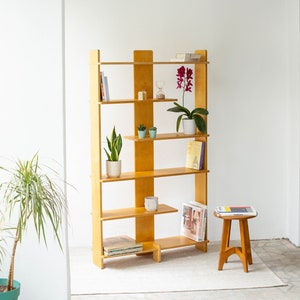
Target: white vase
x,y
189,126
151,203
113,168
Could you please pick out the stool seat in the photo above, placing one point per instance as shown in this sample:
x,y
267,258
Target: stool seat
x,y
244,251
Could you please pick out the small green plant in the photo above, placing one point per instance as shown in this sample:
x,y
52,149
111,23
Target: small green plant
x,y
141,127
152,128
114,144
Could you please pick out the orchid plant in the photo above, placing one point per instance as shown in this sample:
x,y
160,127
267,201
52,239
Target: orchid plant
x,y
184,82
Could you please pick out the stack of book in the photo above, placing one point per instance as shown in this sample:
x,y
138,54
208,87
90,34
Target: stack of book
x,y
120,245
193,224
182,57
235,211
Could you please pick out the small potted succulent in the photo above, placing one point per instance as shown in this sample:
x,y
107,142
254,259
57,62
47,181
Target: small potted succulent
x,y
113,163
152,132
30,196
191,118
141,131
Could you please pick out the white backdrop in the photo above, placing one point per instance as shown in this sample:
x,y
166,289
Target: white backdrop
x,y
31,119
250,48
253,47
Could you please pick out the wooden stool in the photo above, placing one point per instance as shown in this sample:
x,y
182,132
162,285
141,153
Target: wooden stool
x,y
244,252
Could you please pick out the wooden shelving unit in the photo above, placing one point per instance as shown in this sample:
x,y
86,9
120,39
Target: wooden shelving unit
x,y
144,173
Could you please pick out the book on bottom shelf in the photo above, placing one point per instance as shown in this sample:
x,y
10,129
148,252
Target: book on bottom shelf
x,y
193,223
119,245
195,155
235,211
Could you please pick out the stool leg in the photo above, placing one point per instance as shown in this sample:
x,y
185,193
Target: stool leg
x,y
243,255
224,243
247,243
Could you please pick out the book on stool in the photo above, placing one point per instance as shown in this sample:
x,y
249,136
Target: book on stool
x,y
235,211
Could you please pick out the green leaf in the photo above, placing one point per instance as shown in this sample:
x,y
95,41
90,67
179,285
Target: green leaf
x,y
200,110
107,154
178,122
200,123
181,109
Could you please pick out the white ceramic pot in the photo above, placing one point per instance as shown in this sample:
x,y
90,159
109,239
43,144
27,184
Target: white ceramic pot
x,y
113,168
142,134
152,133
189,126
151,203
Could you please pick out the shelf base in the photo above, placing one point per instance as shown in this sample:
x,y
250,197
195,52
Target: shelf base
x,y
157,246
180,241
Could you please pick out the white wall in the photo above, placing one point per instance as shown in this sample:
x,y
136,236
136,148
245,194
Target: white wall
x,y
253,48
248,89
31,119
293,42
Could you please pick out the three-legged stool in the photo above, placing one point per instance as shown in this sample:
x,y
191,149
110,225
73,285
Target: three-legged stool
x,y
244,251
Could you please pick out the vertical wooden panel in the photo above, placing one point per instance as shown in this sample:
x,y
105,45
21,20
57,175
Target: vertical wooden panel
x,y
96,156
201,101
144,151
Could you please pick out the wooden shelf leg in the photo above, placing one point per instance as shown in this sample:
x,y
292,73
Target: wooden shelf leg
x,y
157,253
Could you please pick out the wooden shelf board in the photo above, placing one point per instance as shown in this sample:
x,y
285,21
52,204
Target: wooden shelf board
x,y
153,174
176,242
153,63
167,136
163,244
131,212
126,101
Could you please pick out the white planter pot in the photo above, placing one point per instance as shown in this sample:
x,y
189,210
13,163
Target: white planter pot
x,y
142,134
113,168
152,133
189,126
151,203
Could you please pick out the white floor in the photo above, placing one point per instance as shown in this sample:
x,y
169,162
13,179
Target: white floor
x,y
279,255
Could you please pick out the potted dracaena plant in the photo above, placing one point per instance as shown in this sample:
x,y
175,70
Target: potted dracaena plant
x,y
191,118
113,163
30,196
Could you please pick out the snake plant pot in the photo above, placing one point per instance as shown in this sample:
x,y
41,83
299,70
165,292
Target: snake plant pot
x,y
113,168
189,126
11,295
141,134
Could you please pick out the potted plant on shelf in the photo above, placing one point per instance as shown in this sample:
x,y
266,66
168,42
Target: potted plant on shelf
x,y
141,131
191,118
113,163
152,132
30,196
